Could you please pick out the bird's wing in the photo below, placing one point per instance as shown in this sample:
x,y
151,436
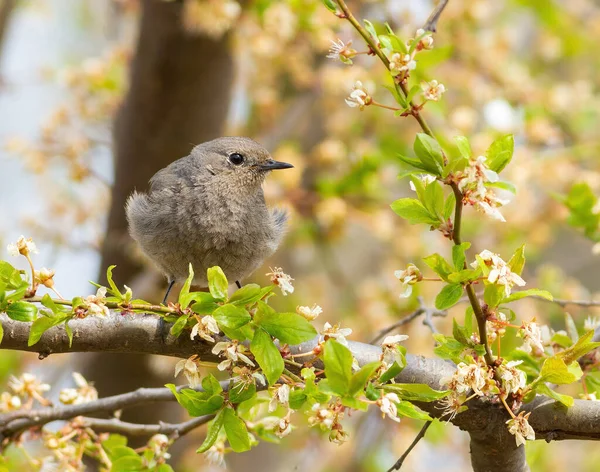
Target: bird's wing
x,y
173,176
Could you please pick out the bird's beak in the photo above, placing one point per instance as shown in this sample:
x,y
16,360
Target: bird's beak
x,y
274,165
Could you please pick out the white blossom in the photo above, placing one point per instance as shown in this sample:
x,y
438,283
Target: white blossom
x,y
206,326
408,277
23,246
341,51
84,392
95,303
468,377
339,334
322,416
590,324
432,90
425,178
390,352
388,406
233,352
520,428
9,402
513,379
359,97
309,313
280,397
532,338
402,63
28,385
216,454
282,280
189,367
500,273
426,42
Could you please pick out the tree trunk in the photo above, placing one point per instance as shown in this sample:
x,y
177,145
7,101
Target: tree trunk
x,y
178,96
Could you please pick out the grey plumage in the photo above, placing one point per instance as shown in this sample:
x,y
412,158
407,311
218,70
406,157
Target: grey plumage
x,y
208,209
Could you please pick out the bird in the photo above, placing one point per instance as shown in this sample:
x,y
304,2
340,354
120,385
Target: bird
x,y
208,209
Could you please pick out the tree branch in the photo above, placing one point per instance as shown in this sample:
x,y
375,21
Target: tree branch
x,y
115,425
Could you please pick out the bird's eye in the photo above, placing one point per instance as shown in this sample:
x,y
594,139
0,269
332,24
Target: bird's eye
x,y
236,159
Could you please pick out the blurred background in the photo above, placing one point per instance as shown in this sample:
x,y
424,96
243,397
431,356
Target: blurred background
x,y
97,95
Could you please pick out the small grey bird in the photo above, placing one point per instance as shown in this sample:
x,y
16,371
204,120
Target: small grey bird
x,y
208,209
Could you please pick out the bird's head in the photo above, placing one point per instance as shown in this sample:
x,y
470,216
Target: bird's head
x,y
237,159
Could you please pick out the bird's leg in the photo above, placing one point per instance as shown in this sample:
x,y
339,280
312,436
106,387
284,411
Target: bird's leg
x,y
171,283
239,285
161,322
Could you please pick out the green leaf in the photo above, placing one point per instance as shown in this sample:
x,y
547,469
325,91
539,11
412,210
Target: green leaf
x,y
543,389
231,316
213,432
458,255
1,332
517,261
69,332
463,146
580,348
183,299
413,211
330,5
360,378
449,206
131,463
197,403
533,292
503,186
236,431
179,325
571,327
242,391
429,153
449,296
581,202
411,411
211,385
205,303
433,199
113,287
460,333
267,355
555,370
500,153
11,276
411,161
464,276
370,28
493,295
217,283
392,372
247,294
416,392
338,366
21,311
439,265
289,328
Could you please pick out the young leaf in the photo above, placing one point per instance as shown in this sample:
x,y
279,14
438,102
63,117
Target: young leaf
x,y
416,392
197,403
267,355
463,146
411,161
231,316
179,325
1,332
500,153
69,332
555,370
429,153
213,432
566,400
413,211
493,295
411,411
21,311
211,385
533,292
338,366
449,206
247,294
114,290
458,255
370,28
205,303
289,328
242,391
217,283
332,7
236,431
360,378
433,199
439,265
448,297
580,348
460,333
183,299
517,261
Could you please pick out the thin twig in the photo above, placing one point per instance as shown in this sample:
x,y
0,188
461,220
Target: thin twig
x,y
431,23
563,303
115,425
14,422
427,321
420,436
